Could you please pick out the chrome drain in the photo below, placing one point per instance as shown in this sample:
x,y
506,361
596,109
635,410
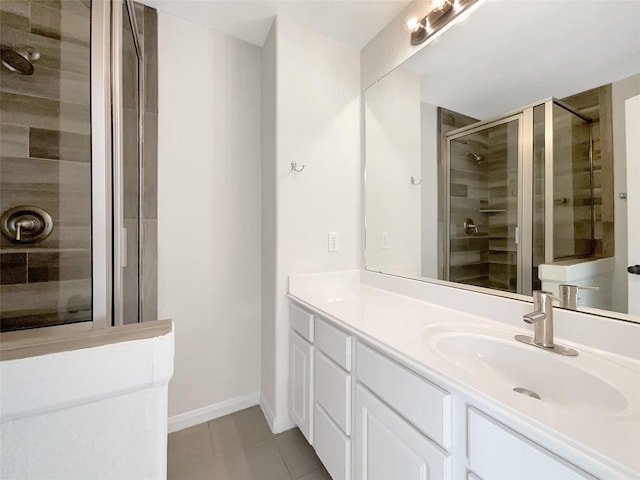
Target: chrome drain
x,y
527,392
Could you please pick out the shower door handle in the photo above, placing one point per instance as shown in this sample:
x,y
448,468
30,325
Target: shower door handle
x,y
123,247
634,269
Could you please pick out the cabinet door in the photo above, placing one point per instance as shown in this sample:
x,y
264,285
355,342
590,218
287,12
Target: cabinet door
x,y
498,453
332,390
300,390
387,446
332,446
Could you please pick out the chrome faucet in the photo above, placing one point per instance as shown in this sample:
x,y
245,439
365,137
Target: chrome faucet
x,y
542,320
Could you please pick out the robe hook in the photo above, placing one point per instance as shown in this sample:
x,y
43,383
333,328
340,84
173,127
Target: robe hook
x,y
413,181
294,167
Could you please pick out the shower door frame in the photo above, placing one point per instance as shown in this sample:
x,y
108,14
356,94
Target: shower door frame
x,y
524,229
549,204
119,232
101,172
106,186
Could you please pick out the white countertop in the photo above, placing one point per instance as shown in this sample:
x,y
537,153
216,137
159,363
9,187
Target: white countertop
x,y
602,442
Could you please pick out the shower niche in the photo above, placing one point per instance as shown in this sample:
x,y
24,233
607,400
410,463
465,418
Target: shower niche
x,y
516,178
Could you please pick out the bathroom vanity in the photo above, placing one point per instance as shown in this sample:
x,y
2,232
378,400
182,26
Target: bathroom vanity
x,y
387,380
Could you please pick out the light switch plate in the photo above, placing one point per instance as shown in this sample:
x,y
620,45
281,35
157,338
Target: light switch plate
x,y
334,241
384,240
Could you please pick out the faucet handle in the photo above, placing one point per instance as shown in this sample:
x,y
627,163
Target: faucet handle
x,y
569,295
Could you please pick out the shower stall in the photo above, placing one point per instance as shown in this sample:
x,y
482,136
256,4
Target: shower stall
x,y
73,191
519,192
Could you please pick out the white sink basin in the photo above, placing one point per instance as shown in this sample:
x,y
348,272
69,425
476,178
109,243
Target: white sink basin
x,y
493,355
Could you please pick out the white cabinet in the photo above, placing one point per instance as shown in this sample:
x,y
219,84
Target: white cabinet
x,y
423,403
388,447
332,446
301,381
399,424
302,322
332,391
498,453
334,343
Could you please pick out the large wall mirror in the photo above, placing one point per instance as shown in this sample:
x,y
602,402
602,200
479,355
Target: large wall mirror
x,y
503,156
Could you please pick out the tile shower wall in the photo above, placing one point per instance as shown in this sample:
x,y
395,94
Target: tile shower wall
x,y
147,24
596,105
469,255
45,161
486,192
502,209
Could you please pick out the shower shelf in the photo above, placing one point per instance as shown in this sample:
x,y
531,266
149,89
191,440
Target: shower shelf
x,y
492,210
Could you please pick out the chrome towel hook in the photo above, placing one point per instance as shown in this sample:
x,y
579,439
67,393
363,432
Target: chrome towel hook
x,y
294,167
413,181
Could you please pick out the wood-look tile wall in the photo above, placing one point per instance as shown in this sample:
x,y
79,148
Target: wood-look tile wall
x,y
147,23
486,192
45,160
502,211
596,105
468,255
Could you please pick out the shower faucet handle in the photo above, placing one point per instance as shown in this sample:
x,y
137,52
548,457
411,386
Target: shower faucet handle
x,y
24,223
569,295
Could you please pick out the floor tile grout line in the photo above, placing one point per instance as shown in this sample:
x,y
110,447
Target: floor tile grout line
x,y
213,450
273,436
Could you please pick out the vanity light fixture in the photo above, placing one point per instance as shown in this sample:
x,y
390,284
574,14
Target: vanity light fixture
x,y
443,12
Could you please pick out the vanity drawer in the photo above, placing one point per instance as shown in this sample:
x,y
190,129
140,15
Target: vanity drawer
x,y
333,391
496,452
332,446
301,321
425,405
334,343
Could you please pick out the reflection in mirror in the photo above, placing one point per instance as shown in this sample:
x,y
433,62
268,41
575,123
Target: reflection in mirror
x,y
496,157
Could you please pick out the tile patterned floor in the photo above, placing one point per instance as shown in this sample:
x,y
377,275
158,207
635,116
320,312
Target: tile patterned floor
x,y
240,446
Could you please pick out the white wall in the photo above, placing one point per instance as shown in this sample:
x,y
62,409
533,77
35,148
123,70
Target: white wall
x,y
209,220
621,91
392,119
269,225
429,209
88,413
314,89
391,47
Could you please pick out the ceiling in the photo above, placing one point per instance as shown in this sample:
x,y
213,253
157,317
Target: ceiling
x,y
354,22
486,66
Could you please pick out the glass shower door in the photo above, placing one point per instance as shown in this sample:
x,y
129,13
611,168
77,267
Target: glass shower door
x,y
564,187
46,164
483,197
573,217
127,205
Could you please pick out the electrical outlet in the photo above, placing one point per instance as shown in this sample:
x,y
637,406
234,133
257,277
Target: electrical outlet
x,y
384,240
334,241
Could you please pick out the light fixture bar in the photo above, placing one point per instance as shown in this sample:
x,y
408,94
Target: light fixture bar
x,y
436,19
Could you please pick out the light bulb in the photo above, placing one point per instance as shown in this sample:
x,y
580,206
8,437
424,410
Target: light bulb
x,y
412,24
439,4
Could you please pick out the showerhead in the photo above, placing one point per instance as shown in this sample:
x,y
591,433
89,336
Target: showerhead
x,y
19,60
475,157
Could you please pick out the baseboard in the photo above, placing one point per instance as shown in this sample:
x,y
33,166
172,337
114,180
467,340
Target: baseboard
x,y
277,424
204,414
